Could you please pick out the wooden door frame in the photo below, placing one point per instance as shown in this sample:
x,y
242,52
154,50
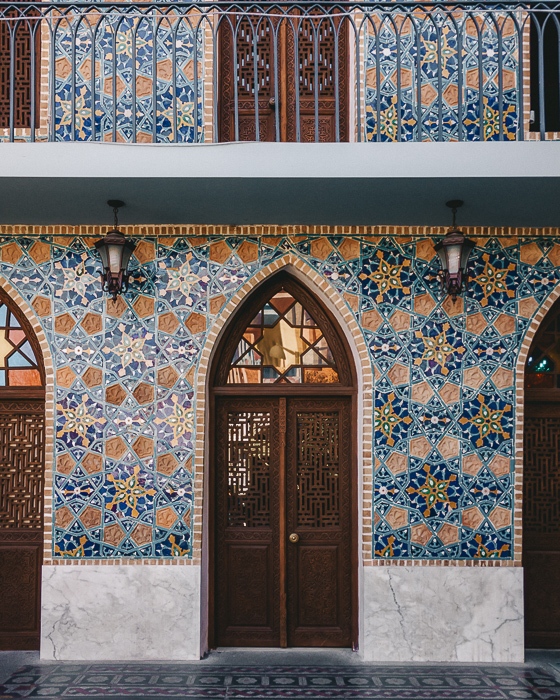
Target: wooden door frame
x,y
229,339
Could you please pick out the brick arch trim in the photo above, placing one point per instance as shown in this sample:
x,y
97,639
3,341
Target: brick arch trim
x,y
331,298
31,317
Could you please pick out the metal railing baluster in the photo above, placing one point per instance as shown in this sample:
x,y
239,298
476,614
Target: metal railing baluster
x,y
393,77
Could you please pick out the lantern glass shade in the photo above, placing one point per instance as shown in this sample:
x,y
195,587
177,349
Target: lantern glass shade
x,y
115,252
453,255
454,251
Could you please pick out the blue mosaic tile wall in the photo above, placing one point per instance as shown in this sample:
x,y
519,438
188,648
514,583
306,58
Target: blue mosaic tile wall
x,y
443,78
440,78
144,85
444,383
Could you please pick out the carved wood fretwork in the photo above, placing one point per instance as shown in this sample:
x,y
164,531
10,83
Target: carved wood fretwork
x,y
317,469
22,458
22,438
20,37
251,562
283,457
541,475
317,55
21,469
247,72
249,469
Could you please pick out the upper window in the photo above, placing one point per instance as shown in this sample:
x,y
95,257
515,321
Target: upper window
x,y
18,363
283,344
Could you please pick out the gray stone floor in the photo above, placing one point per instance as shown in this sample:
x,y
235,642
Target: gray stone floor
x,y
280,675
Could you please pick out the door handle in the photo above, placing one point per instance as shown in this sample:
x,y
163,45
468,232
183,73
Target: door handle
x,y
272,103
294,537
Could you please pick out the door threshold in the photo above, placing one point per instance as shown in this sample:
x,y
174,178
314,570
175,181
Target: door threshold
x,y
274,656
287,650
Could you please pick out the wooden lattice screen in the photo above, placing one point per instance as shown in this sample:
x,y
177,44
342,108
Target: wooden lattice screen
x,y
18,34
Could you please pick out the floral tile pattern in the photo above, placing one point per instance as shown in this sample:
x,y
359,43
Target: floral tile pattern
x,y
444,396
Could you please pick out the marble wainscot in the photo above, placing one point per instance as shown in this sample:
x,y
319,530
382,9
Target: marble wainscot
x,y
100,613
448,614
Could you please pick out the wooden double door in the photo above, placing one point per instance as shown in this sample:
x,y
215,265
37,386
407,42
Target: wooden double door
x,y
283,550
283,78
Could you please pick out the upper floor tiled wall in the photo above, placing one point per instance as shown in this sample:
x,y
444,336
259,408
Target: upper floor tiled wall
x,y
164,76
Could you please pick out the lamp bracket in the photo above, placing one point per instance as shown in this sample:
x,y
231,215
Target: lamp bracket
x,y
115,205
454,204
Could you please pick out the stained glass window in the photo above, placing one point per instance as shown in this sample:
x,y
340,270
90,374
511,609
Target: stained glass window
x,y
543,365
18,364
283,345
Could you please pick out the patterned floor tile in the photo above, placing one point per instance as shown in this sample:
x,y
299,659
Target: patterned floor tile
x,y
129,680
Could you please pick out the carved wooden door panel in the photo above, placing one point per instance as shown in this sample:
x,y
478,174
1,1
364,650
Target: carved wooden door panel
x,y
20,37
243,73
319,567
283,468
291,64
541,526
21,521
247,563
321,51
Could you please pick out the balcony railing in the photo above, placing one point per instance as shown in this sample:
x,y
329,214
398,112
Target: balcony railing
x,y
179,72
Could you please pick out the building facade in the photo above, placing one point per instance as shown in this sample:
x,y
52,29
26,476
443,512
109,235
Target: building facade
x,y
284,432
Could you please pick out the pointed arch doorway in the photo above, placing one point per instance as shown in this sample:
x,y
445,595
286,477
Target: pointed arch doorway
x,y
541,486
22,453
283,475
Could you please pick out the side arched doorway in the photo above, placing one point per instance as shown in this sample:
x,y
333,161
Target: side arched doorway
x,y
541,487
283,475
22,450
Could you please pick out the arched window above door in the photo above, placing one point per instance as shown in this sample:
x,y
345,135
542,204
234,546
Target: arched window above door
x,y
283,336
19,366
543,363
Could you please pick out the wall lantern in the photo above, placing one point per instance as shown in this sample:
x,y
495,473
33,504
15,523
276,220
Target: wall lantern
x,y
115,252
454,251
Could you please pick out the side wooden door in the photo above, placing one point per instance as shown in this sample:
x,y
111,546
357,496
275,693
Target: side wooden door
x,y
541,487
319,567
541,526
21,522
247,556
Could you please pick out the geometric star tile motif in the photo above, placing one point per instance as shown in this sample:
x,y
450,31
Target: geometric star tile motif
x,y
444,399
